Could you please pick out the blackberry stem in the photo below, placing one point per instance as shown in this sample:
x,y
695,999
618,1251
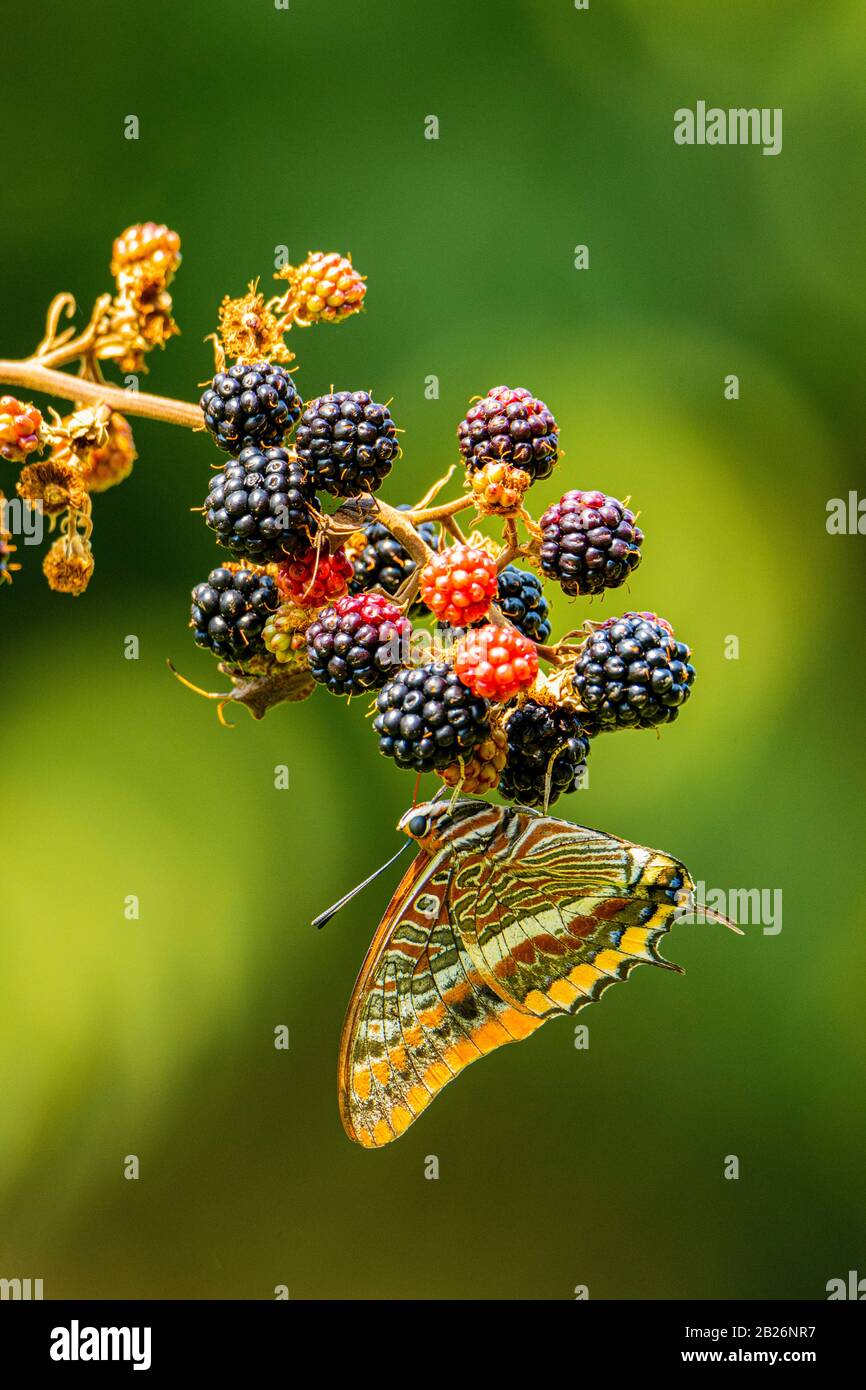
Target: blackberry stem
x,y
30,372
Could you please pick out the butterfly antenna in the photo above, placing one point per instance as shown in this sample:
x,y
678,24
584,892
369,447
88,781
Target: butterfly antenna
x,y
711,916
325,917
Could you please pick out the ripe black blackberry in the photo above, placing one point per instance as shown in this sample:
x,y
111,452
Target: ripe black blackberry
x,y
229,612
547,750
356,643
260,505
511,426
251,403
521,598
632,673
347,442
427,717
382,561
589,542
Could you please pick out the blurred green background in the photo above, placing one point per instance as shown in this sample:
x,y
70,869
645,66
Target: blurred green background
x,y
558,1167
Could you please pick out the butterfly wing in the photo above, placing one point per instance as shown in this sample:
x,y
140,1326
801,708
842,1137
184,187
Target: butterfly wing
x,y
478,947
419,1012
568,913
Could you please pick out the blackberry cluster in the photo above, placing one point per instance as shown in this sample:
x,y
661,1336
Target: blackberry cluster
x,y
543,742
427,718
347,442
355,644
510,425
589,542
259,505
251,403
632,673
382,561
230,610
521,598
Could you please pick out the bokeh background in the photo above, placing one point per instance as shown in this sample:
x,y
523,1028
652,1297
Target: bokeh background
x,y
558,1167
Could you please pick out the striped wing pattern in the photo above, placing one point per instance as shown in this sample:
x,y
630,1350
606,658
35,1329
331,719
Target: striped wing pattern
x,y
516,917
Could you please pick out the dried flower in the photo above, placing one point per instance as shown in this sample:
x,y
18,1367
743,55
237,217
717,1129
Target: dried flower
x,y
250,331
68,566
55,483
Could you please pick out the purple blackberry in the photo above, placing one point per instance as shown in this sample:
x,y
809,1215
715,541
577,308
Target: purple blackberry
x,y
547,751
355,644
632,673
260,505
251,403
229,612
382,562
427,717
347,442
589,542
511,425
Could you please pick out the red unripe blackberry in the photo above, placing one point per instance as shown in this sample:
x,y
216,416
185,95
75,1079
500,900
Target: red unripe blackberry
x,y
347,442
589,542
632,673
427,717
260,505
496,662
510,425
547,750
251,403
459,584
314,577
356,643
230,610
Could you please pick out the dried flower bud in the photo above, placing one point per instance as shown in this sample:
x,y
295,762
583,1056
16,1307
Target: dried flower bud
x,y
104,465
68,566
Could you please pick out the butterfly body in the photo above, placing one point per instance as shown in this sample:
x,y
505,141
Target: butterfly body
x,y
506,918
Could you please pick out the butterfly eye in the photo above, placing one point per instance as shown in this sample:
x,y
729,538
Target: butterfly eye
x,y
419,826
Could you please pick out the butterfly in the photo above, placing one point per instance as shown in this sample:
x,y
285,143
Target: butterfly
x,y
506,918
